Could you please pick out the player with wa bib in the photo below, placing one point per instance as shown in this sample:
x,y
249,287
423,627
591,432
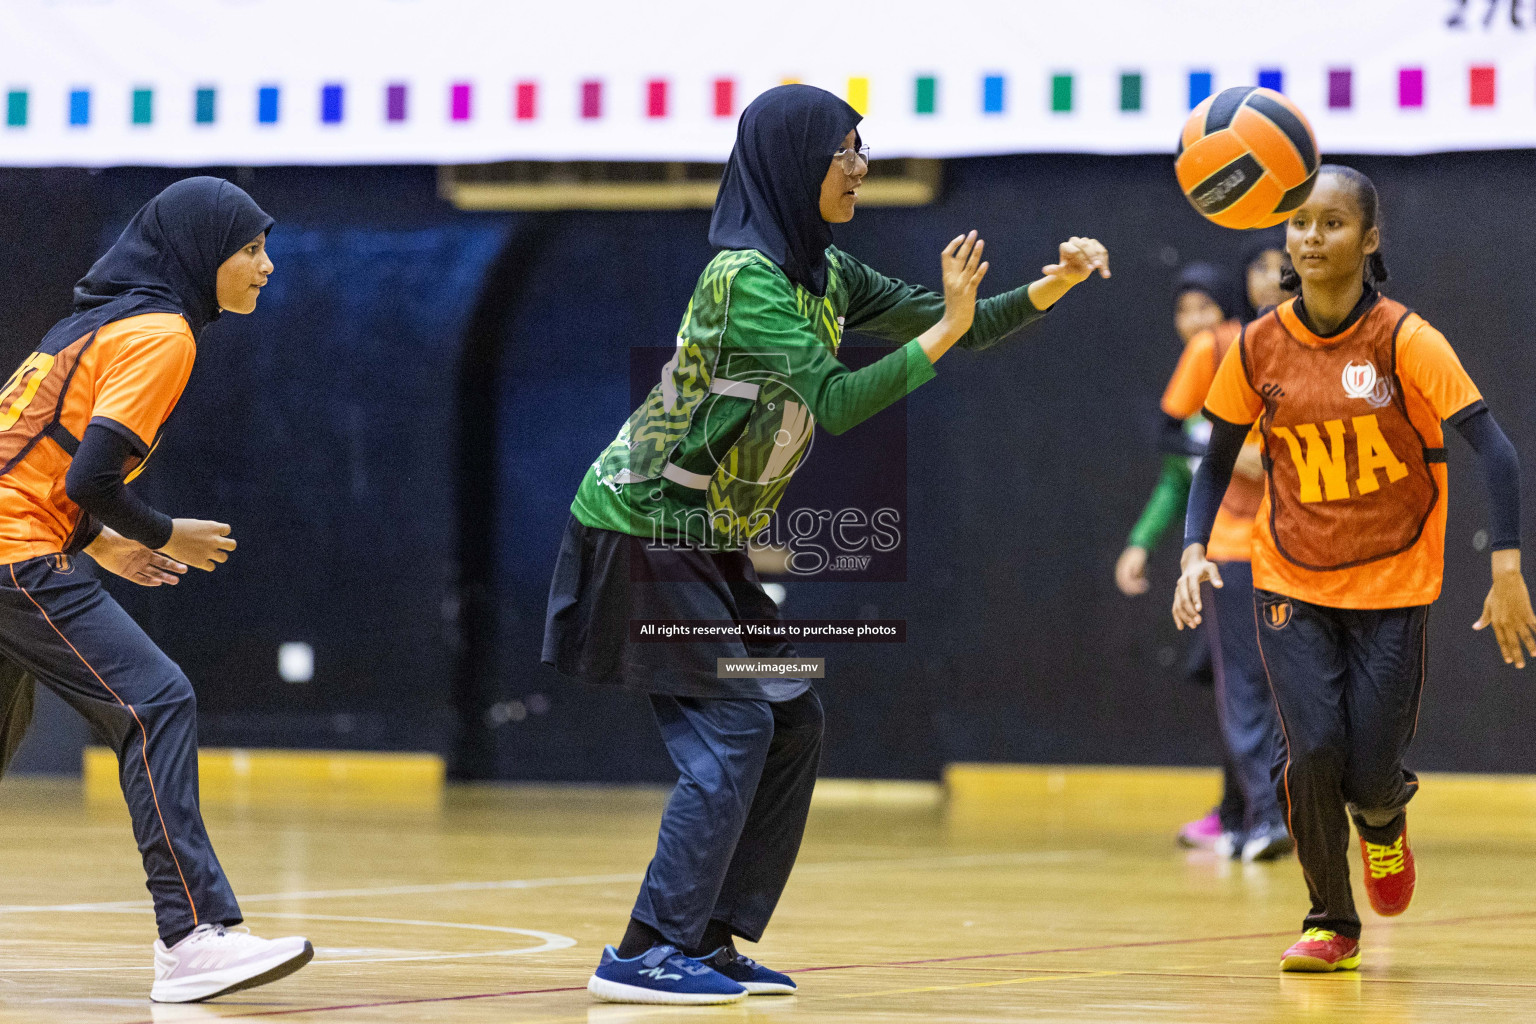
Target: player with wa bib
x,y
1350,390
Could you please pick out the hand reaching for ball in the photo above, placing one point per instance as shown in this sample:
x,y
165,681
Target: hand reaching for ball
x,y
1076,262
1079,257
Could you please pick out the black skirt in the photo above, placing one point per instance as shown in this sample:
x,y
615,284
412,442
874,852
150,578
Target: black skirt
x,y
603,579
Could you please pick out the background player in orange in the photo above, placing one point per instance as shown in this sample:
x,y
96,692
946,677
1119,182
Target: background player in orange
x,y
77,420
1253,824
1350,390
1204,297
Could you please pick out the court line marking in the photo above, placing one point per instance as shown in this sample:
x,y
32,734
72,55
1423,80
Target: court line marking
x,y
559,881
1054,976
550,941
325,894
1436,922
407,1002
1366,978
1044,952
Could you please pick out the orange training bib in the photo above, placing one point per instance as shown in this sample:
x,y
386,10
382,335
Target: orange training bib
x,y
1348,476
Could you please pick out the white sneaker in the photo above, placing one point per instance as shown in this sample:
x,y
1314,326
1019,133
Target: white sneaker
x,y
214,961
1267,842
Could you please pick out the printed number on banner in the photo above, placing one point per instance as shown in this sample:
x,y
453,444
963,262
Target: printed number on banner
x,y
1463,8
32,372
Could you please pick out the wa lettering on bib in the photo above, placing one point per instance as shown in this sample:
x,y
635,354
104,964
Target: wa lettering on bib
x,y
1349,480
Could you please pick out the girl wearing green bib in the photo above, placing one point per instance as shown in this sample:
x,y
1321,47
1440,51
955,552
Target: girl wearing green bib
x,y
660,524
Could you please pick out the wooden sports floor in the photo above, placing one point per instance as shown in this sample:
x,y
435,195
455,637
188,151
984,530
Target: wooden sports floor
x,y
1040,896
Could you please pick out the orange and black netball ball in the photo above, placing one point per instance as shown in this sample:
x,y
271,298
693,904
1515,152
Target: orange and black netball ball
x,y
1247,157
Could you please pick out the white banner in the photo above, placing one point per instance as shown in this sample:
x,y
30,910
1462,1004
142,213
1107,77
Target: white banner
x,y
191,82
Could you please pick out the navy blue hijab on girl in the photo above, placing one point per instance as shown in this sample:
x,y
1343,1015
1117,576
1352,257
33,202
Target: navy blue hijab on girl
x,y
167,259
770,197
1221,287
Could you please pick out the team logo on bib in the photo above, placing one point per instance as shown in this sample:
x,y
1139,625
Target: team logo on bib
x,y
1362,381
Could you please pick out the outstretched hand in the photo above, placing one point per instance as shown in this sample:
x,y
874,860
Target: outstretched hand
x,y
963,271
1078,258
200,543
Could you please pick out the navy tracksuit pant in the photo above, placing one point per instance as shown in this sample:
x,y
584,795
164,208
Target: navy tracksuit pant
x,y
733,825
1244,707
15,711
58,625
1347,684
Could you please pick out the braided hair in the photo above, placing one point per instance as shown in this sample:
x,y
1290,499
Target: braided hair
x,y
1370,215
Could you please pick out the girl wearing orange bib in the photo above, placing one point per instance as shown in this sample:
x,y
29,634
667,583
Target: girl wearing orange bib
x,y
1349,390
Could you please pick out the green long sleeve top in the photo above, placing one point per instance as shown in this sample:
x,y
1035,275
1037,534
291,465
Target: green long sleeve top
x,y
706,457
1169,497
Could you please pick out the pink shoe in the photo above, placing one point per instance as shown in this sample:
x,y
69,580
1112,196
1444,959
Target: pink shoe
x,y
1201,834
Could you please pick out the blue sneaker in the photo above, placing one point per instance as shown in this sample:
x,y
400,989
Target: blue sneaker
x,y
749,974
661,975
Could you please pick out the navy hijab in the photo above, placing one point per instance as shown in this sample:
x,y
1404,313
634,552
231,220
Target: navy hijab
x,y
167,259
770,197
1221,286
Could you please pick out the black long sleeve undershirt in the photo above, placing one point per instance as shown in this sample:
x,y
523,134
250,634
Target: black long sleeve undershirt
x,y
1501,470
95,483
1212,478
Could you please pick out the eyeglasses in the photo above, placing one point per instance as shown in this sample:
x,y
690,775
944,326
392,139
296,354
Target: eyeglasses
x,y
850,158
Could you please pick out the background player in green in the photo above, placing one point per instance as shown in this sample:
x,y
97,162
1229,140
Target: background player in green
x,y
661,520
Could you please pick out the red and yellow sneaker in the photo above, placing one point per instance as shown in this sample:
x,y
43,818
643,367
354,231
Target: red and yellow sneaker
x,y
1319,951
1389,875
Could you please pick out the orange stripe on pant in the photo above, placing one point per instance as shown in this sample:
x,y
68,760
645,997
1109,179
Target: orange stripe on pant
x,y
143,740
